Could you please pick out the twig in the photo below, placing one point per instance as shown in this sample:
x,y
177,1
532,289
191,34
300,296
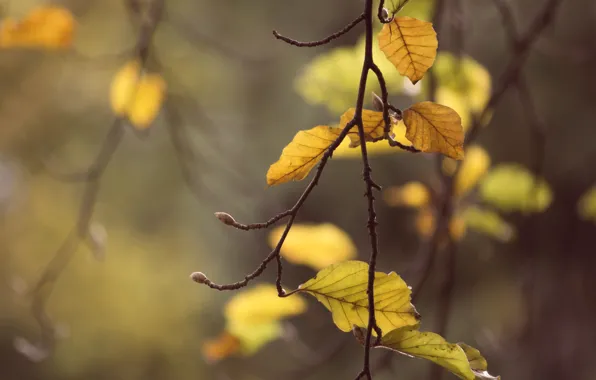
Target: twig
x,y
325,40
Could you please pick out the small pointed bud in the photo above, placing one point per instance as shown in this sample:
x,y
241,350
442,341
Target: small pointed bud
x,y
225,218
385,14
199,278
377,102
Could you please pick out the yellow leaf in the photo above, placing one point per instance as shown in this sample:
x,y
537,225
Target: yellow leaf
x,y
253,316
412,194
410,44
425,221
260,304
137,95
317,246
221,347
301,155
341,288
512,187
586,206
477,362
474,166
489,223
398,133
45,26
457,227
430,346
372,121
435,128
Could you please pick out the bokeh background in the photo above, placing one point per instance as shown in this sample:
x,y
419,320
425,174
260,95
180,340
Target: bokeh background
x,y
136,315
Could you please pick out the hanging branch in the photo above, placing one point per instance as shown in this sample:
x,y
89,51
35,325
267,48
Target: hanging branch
x,y
92,178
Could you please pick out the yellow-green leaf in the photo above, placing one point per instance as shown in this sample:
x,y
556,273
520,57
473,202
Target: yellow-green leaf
x,y
329,78
474,166
398,133
412,194
372,121
435,128
45,26
317,246
489,223
477,362
137,95
301,155
586,206
512,187
410,44
428,345
341,288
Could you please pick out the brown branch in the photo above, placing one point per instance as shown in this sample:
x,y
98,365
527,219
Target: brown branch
x,y
325,40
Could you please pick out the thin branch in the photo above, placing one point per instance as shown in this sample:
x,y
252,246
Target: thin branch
x,y
325,40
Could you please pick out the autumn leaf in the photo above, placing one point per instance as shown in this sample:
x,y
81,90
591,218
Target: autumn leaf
x,y
430,346
398,133
317,246
410,44
372,121
474,167
253,318
412,194
489,223
512,187
586,206
301,155
342,287
435,128
137,95
477,362
45,26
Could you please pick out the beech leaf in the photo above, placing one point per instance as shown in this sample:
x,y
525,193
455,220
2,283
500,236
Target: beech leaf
x,y
434,128
45,26
301,155
372,121
410,44
342,287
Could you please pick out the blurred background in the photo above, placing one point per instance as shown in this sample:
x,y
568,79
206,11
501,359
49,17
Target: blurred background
x,y
238,96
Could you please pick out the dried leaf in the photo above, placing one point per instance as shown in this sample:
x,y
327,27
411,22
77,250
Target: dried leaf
x,y
45,26
410,44
317,246
137,95
342,287
372,121
301,155
435,128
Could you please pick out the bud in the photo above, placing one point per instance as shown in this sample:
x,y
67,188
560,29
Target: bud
x,y
199,278
385,14
225,218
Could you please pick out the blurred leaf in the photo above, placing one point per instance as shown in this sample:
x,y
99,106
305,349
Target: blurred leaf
x,y
435,128
372,121
512,187
329,78
457,227
301,155
252,320
410,44
489,223
477,362
137,95
45,26
425,224
261,304
221,347
420,9
474,166
412,194
317,246
586,206
342,287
